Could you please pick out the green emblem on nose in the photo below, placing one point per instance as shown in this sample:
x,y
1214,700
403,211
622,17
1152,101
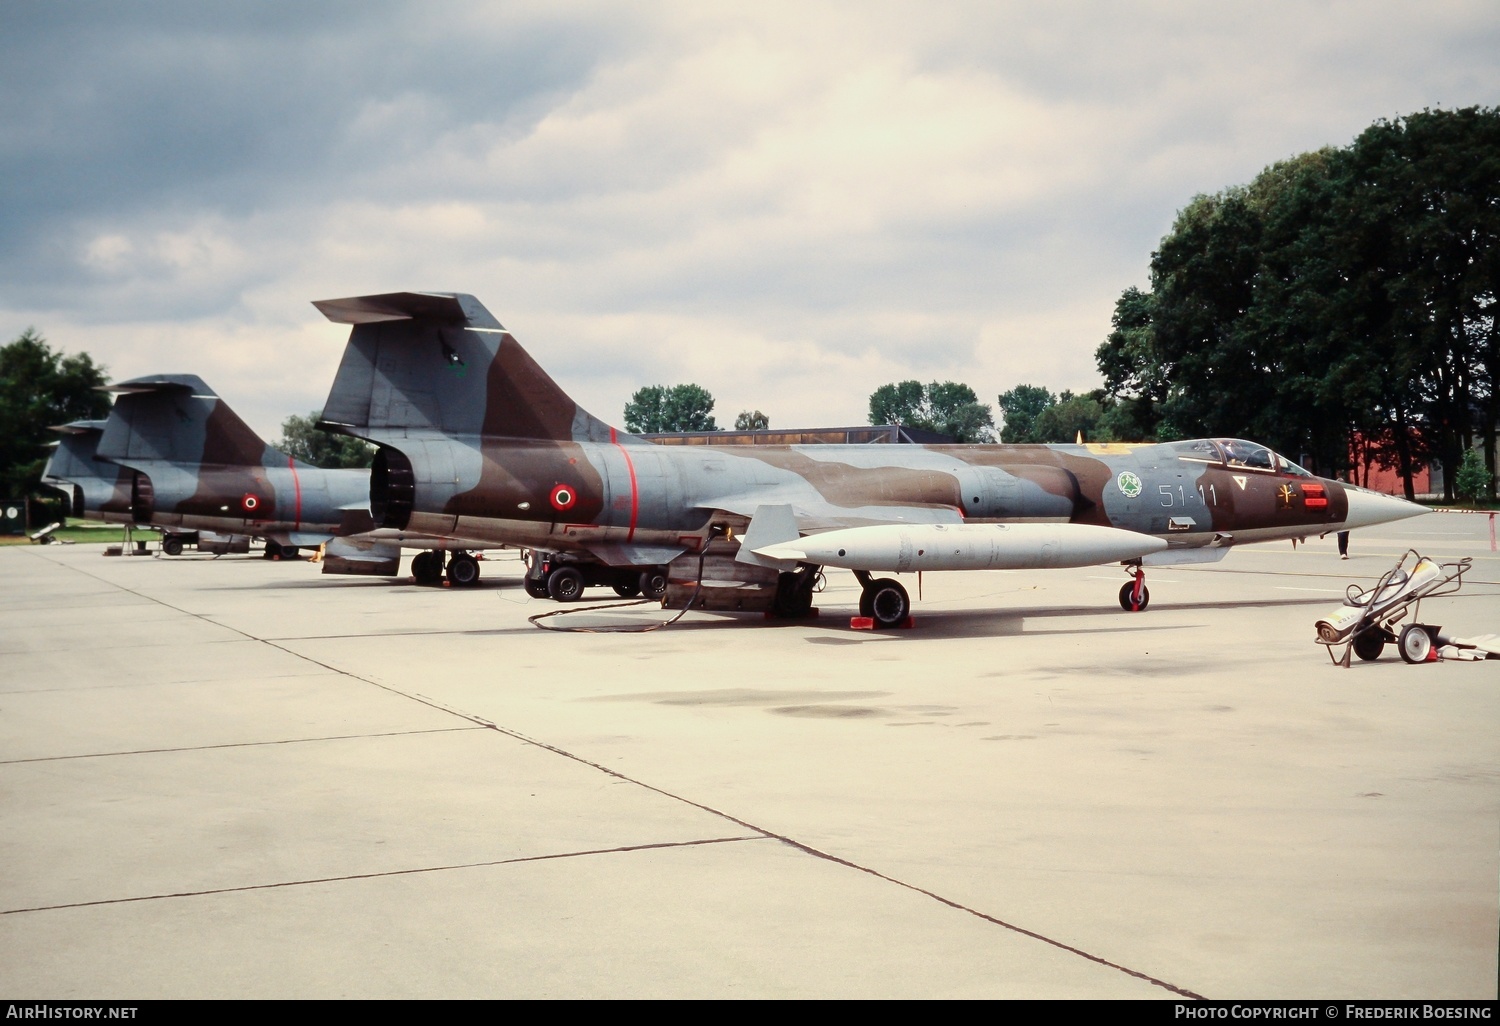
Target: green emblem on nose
x,y
1129,484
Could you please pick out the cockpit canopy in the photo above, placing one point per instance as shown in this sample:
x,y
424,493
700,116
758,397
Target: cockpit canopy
x,y
1236,452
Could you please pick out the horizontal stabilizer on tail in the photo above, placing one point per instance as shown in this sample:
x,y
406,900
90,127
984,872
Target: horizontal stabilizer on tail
x,y
454,308
80,427
189,383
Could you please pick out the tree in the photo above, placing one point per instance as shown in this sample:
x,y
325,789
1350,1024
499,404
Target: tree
x,y
751,420
899,403
1342,304
949,408
1020,408
301,438
1072,416
657,408
40,388
1472,483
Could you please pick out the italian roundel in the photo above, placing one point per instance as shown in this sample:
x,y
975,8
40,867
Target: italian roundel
x,y
563,497
250,503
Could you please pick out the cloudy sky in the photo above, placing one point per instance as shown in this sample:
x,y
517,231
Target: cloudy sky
x,y
789,204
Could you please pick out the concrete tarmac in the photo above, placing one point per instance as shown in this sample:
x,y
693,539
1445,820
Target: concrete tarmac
x,y
239,778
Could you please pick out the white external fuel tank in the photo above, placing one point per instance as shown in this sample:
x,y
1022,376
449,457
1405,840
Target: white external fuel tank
x,y
911,547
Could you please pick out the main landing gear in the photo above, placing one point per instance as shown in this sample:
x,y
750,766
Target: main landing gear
x,y
794,592
1134,595
462,568
883,600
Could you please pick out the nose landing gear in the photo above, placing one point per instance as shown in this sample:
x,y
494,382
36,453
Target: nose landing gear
x,y
883,600
1134,595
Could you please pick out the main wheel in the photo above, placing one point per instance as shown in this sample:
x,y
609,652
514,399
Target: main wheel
x,y
654,583
1369,643
565,584
536,587
1127,600
172,545
273,551
1414,644
427,567
889,604
627,587
463,570
289,552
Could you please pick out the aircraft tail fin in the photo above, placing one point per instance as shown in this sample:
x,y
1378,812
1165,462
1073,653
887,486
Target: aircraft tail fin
x,y
177,418
440,362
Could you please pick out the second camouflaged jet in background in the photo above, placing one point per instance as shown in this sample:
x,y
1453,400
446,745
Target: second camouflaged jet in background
x,y
95,490
475,439
190,463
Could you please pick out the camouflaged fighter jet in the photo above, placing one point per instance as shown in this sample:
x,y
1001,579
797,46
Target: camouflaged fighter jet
x,y
193,464
96,491
476,439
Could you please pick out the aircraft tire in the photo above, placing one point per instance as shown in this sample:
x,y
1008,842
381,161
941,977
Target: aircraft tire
x,y
627,589
654,583
890,606
794,594
172,546
536,587
565,584
1369,643
426,567
289,552
463,570
1125,598
1414,644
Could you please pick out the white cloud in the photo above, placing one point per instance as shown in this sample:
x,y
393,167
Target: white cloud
x,y
790,204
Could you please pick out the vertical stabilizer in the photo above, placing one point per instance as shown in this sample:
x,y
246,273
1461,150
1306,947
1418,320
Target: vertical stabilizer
x,y
438,362
177,418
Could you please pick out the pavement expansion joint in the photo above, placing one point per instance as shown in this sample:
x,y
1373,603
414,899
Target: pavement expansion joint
x,y
387,873
241,744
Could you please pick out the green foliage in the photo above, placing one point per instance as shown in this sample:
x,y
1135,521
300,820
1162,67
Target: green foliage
x,y
657,408
1020,408
1344,298
40,388
751,420
301,438
1472,482
950,408
899,403
1071,416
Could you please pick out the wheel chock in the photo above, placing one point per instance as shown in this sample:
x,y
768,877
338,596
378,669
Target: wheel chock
x,y
867,623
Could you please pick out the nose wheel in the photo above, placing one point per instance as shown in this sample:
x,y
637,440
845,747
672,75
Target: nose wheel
x,y
1134,595
883,600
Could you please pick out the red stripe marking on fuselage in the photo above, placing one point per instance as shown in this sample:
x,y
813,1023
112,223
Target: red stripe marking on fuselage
x,y
296,487
635,498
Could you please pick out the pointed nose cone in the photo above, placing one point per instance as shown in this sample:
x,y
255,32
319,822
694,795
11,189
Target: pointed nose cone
x,y
1369,508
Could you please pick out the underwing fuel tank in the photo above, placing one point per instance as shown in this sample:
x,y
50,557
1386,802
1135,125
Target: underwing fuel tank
x,y
911,547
